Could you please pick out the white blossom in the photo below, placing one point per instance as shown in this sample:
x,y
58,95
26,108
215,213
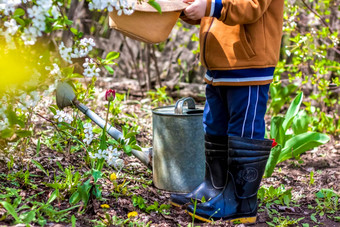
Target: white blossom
x,y
90,68
65,52
111,156
120,5
4,124
63,117
12,26
88,133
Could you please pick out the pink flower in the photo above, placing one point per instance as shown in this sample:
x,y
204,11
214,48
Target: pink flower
x,y
110,95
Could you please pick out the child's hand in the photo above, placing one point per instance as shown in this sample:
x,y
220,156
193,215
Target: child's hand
x,y
196,10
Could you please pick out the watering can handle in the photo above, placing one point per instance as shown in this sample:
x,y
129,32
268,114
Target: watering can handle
x,y
180,103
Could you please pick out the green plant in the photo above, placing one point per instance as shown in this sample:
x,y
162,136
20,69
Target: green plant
x,y
160,97
327,203
271,195
140,202
30,210
88,188
281,221
67,182
292,135
116,221
279,95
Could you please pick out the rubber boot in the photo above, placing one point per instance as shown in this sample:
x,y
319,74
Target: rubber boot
x,y
215,173
238,200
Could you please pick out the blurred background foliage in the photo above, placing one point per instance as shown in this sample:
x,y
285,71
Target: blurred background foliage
x,y
309,59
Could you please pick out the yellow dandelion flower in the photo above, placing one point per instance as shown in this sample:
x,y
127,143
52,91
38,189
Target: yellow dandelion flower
x,y
105,206
132,214
113,177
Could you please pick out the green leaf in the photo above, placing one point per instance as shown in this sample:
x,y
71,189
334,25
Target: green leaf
x,y
155,5
96,175
302,143
272,161
20,21
24,133
109,69
53,196
75,198
112,55
292,111
38,147
84,191
19,12
97,192
10,210
39,166
74,31
28,217
127,149
276,130
73,221
314,218
300,123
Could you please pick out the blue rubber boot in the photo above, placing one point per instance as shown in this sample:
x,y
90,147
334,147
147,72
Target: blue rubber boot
x,y
238,200
216,167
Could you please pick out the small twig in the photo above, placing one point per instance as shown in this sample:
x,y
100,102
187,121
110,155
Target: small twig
x,y
134,64
153,55
316,13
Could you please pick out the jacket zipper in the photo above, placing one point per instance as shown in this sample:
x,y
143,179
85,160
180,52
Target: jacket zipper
x,y
205,43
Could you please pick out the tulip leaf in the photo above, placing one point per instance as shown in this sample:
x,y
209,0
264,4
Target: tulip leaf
x,y
272,161
300,123
292,111
302,143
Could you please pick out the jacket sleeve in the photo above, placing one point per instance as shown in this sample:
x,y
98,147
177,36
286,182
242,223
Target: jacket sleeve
x,y
241,11
189,21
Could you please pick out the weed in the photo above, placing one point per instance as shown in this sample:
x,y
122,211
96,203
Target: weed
x,y
140,202
327,203
271,195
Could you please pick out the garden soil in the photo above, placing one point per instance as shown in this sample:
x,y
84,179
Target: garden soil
x,y
324,162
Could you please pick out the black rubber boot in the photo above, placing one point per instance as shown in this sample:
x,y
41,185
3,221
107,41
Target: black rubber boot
x,y
238,200
216,167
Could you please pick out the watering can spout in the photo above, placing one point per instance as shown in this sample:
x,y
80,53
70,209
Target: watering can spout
x,y
65,97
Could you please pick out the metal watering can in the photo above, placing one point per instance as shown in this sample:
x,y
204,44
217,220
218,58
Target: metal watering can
x,y
177,157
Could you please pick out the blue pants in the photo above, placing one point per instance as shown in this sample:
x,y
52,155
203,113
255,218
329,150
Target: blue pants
x,y
235,111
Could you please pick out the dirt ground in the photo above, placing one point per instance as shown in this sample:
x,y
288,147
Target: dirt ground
x,y
323,161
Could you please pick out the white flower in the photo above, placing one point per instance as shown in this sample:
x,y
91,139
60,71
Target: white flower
x,y
65,52
120,6
55,12
55,70
119,164
88,140
87,127
4,124
30,34
88,133
12,26
63,117
91,68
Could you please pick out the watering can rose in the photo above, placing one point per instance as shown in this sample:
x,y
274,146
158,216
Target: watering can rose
x,y
110,95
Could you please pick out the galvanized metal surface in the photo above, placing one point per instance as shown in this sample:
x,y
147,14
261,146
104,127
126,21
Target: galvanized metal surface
x,y
178,147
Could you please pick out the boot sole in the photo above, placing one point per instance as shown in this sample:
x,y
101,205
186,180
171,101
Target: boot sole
x,y
175,204
245,220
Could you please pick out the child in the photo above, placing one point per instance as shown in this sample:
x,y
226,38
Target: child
x,y
240,43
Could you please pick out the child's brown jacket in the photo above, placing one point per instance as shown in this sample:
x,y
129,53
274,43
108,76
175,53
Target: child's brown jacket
x,y
247,35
